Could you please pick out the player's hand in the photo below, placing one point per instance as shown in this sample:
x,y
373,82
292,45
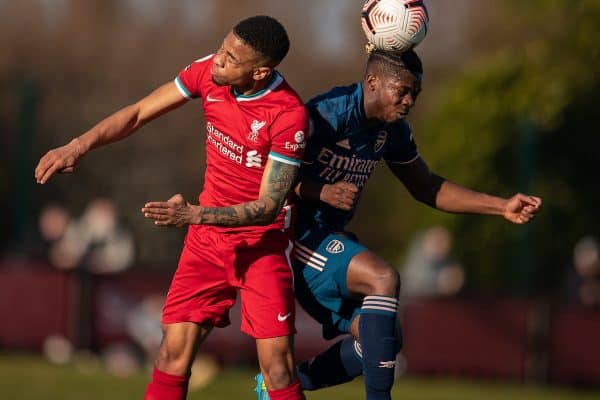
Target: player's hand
x,y
174,212
61,159
340,195
521,208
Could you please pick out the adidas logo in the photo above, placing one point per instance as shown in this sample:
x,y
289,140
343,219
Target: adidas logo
x,y
345,144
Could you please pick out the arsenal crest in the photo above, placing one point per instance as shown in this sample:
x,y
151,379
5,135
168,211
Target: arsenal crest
x,y
380,141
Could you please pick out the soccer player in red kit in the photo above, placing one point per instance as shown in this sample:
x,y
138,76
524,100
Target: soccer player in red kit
x,y
255,126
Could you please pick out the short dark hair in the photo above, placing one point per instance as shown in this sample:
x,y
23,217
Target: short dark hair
x,y
266,35
391,64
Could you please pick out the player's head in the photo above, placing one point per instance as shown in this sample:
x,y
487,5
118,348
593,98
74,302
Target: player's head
x,y
250,51
391,85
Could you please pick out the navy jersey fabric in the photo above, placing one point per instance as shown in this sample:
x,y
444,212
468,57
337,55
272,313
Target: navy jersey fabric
x,y
343,146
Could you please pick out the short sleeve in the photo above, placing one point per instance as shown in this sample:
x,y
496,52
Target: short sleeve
x,y
402,148
189,80
288,136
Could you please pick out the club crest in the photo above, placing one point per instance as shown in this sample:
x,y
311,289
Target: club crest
x,y
380,141
335,247
254,128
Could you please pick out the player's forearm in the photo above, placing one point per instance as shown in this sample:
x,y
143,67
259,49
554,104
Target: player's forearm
x,y
111,129
277,182
454,198
259,212
309,190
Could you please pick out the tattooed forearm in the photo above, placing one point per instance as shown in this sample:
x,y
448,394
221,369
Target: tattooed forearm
x,y
251,213
218,216
262,211
255,211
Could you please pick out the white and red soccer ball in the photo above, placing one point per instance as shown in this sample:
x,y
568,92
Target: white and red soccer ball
x,y
394,25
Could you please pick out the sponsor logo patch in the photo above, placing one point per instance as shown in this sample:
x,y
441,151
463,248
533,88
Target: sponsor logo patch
x,y
253,159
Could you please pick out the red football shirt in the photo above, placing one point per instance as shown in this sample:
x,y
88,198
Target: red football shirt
x,y
241,133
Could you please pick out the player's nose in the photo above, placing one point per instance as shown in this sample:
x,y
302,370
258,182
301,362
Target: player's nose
x,y
408,100
218,60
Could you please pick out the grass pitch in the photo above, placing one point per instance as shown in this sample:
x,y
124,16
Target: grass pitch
x,y
33,378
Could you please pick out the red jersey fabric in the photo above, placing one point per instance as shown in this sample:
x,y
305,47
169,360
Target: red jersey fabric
x,y
214,266
241,133
216,263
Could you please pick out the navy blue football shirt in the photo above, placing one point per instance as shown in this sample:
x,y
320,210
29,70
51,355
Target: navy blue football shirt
x,y
343,146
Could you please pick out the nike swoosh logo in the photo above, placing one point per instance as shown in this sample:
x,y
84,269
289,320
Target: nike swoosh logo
x,y
212,99
282,318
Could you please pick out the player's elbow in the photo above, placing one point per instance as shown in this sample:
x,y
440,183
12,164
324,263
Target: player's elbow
x,y
264,211
429,193
270,216
425,197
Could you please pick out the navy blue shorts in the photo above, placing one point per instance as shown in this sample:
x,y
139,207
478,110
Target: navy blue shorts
x,y
320,264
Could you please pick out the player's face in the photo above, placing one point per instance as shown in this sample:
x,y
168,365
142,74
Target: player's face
x,y
235,63
395,96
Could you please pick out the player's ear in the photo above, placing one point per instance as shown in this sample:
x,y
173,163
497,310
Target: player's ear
x,y
261,73
372,81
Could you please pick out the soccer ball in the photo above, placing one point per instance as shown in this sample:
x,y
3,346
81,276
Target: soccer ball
x,y
394,25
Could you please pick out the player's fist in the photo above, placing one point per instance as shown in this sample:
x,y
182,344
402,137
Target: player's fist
x,y
61,159
521,208
342,195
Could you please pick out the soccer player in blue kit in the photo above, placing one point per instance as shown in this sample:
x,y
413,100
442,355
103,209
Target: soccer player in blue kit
x,y
339,282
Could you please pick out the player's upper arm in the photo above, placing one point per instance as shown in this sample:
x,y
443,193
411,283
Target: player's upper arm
x,y
277,181
165,98
418,179
187,85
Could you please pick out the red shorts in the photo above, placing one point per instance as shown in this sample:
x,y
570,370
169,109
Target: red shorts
x,y
213,266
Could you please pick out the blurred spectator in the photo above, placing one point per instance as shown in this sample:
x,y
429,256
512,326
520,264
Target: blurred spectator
x,y
584,284
95,241
143,324
428,269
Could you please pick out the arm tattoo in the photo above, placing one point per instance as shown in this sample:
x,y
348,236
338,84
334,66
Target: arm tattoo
x,y
281,179
258,212
218,216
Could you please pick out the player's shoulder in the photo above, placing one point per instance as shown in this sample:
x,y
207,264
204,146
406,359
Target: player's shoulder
x,y
284,95
200,64
338,97
400,132
339,105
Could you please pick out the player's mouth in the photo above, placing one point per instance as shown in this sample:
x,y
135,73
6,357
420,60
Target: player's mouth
x,y
214,74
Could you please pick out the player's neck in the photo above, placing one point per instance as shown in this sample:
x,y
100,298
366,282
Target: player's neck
x,y
369,107
254,86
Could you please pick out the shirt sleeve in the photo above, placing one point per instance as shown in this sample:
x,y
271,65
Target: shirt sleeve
x,y
288,136
189,80
402,149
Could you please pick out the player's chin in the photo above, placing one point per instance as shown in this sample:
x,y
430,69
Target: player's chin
x,y
217,80
396,117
